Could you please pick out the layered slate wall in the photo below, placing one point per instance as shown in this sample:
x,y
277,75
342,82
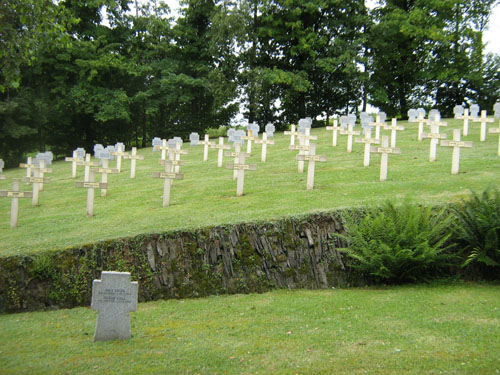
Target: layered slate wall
x,y
241,258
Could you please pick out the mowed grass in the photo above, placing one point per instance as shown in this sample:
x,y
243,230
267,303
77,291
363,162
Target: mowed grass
x,y
446,329
207,194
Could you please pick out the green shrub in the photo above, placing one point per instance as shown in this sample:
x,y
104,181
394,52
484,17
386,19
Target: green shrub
x,y
399,244
477,229
219,132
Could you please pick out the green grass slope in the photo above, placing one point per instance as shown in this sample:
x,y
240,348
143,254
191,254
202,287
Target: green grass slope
x,y
400,330
207,195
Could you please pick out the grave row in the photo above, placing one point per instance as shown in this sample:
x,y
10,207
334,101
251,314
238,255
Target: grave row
x,y
307,152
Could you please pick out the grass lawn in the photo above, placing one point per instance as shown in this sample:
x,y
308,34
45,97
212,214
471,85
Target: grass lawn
x,y
436,329
207,195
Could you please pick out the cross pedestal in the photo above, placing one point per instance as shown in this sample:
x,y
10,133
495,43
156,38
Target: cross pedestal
x,y
114,297
15,194
456,144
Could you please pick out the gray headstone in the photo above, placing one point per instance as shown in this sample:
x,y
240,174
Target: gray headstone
x,y
237,137
80,153
433,113
412,114
111,149
118,145
172,143
194,138
365,123
305,123
157,142
255,128
178,140
104,154
270,129
114,297
458,110
474,110
352,119
344,121
421,111
496,108
98,147
2,164
383,116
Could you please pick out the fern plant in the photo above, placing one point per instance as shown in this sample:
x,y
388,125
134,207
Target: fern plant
x,y
398,244
477,228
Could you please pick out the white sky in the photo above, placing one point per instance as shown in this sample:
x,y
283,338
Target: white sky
x,y
491,36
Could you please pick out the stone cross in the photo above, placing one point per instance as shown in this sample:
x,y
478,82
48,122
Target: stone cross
x,y
15,194
368,141
169,176
379,123
133,158
483,120
105,170
206,144
74,159
456,144
304,140
496,131
2,164
312,158
335,128
221,147
87,164
91,185
241,167
350,132
292,133
36,180
114,297
28,165
119,153
394,128
434,136
466,117
385,150
264,143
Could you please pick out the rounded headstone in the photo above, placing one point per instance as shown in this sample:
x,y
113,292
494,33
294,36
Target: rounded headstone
x,y
194,138
352,119
98,148
80,152
383,116
433,113
412,114
270,129
255,128
344,121
157,141
496,108
111,148
2,164
458,110
305,123
365,123
474,110
421,112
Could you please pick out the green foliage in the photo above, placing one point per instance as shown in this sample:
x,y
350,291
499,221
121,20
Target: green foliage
x,y
221,131
398,244
477,229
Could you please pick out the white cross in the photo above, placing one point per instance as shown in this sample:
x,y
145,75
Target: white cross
x,y
456,144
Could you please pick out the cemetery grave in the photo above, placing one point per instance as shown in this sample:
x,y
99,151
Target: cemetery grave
x,y
272,191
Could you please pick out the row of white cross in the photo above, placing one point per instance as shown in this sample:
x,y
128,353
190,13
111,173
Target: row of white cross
x,y
307,152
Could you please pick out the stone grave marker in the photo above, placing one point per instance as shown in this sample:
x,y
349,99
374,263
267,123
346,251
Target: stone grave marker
x,y
484,121
87,164
394,128
105,157
15,194
312,158
156,142
168,176
221,147
255,128
335,128
133,160
350,132
119,153
458,111
2,165
496,131
379,123
264,142
368,141
29,165
385,150
111,149
435,114
163,147
230,134
236,155
474,110
383,116
114,296
194,138
249,138
466,117
97,149
270,129
292,133
237,137
36,180
241,167
40,165
496,109
91,185
74,159
456,144
206,144
175,153
412,115
434,136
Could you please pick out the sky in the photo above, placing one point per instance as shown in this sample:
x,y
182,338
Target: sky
x,y
491,36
